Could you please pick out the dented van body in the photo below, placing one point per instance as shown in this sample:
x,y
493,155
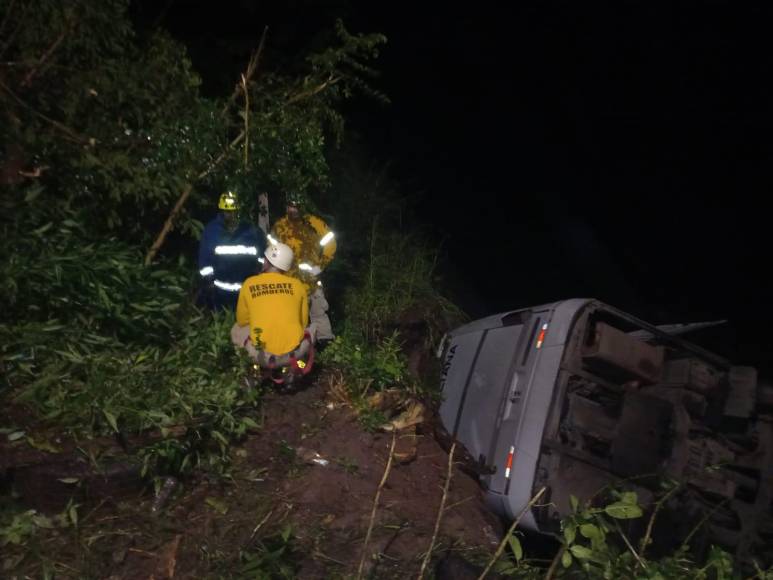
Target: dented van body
x,y
577,394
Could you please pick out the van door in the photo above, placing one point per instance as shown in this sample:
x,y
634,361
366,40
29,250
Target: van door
x,y
517,391
476,384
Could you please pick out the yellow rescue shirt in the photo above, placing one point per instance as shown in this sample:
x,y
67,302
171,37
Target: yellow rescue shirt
x,y
311,240
276,308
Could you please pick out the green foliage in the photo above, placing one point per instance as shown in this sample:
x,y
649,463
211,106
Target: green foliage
x,y
111,128
194,382
273,558
375,366
22,526
595,546
365,367
97,343
56,270
117,128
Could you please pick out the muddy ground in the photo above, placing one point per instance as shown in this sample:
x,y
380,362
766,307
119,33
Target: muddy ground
x,y
298,504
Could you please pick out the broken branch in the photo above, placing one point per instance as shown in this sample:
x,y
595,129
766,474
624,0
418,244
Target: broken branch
x,y
440,511
169,224
252,66
46,55
630,547
646,539
517,521
387,469
246,123
554,563
260,525
311,92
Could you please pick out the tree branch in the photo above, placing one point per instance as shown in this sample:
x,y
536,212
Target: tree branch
x,y
73,135
252,66
387,469
246,123
639,561
311,92
503,543
46,55
440,511
169,223
646,539
554,563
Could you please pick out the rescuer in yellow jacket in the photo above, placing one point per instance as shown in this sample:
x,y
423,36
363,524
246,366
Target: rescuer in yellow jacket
x,y
272,311
314,246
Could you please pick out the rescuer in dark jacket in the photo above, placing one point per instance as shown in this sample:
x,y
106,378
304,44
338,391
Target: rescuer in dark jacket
x,y
229,252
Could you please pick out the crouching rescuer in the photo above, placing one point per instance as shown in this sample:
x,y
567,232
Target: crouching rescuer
x,y
272,316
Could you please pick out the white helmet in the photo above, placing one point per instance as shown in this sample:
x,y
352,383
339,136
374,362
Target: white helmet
x,y
279,255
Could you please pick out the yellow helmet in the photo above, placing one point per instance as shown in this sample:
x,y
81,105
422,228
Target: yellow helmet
x,y
228,201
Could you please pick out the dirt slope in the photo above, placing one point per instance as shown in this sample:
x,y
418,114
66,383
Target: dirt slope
x,y
228,529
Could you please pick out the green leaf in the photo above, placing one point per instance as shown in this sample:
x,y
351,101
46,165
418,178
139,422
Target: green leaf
x,y
218,505
219,436
16,435
42,521
111,419
566,559
515,546
250,423
73,513
42,229
629,498
623,511
69,480
574,502
581,552
43,445
570,533
286,531
590,531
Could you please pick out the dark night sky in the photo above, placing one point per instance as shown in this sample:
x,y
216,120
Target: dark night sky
x,y
618,150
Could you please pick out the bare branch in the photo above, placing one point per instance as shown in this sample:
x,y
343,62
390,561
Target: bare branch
x,y
311,92
260,525
517,521
387,469
246,123
46,55
252,66
169,224
646,539
630,547
554,563
440,511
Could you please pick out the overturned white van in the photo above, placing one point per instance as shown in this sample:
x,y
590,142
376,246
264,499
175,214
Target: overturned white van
x,y
577,394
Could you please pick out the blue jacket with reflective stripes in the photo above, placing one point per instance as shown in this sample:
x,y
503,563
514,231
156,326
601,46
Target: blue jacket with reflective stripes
x,y
228,258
